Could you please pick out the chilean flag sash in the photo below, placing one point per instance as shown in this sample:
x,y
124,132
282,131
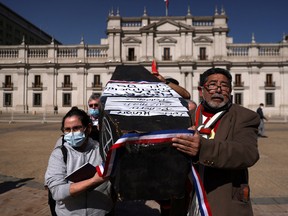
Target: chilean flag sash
x,y
156,137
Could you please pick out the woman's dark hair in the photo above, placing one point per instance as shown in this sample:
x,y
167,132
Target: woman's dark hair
x,y
81,114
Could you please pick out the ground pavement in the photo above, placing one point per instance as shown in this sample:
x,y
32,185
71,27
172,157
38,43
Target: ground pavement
x,y
25,148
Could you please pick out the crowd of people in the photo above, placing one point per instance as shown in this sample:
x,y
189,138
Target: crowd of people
x,y
223,147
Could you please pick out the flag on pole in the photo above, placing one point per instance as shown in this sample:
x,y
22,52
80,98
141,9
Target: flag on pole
x,y
167,3
154,67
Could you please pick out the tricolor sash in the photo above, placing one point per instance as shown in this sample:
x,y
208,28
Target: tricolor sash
x,y
204,206
157,137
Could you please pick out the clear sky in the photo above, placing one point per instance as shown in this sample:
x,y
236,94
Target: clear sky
x,y
68,20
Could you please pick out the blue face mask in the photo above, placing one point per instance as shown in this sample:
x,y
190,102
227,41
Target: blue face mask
x,y
93,112
75,139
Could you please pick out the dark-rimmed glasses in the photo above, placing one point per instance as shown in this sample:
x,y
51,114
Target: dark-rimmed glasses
x,y
213,86
93,105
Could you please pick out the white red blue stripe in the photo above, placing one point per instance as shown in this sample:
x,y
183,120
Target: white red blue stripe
x,y
200,193
155,137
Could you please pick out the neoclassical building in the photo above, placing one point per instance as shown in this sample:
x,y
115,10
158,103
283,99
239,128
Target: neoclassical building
x,y
35,78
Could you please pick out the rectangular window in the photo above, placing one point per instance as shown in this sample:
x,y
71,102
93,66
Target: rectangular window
x,y
166,56
269,99
67,83
97,80
238,98
238,79
37,81
131,54
7,100
203,53
8,81
269,78
66,99
37,99
67,79
269,81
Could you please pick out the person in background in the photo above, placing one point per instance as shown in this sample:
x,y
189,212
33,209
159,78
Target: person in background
x,y
86,197
55,110
261,128
192,106
222,152
93,108
93,112
174,84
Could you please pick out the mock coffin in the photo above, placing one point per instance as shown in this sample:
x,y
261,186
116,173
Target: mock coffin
x,y
138,113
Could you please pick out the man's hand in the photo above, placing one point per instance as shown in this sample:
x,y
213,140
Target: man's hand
x,y
189,144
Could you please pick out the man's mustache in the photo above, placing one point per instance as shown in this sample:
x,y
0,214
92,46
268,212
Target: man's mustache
x,y
216,95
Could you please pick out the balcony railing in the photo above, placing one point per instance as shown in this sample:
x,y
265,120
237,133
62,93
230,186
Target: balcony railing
x,y
202,57
238,85
67,86
166,58
37,86
51,53
269,85
7,86
47,54
97,86
131,58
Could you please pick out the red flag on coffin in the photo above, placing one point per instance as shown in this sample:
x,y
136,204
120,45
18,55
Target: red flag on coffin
x,y
154,68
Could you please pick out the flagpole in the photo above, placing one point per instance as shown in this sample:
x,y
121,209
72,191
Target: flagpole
x,y
166,6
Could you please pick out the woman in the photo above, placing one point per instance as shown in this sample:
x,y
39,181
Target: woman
x,y
86,197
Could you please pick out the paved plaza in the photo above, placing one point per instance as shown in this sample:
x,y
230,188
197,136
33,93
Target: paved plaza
x,y
25,148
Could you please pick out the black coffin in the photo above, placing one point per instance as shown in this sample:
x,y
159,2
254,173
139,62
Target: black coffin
x,y
149,172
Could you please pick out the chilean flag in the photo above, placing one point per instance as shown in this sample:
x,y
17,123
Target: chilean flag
x,y
167,3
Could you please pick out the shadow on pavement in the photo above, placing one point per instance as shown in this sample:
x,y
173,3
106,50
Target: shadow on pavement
x,y
10,185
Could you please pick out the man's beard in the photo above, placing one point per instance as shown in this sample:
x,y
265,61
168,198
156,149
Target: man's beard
x,y
217,105
214,107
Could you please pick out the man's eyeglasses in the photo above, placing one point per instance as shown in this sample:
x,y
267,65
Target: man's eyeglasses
x,y
213,86
93,105
73,129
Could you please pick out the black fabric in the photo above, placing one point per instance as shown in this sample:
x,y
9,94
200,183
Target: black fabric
x,y
155,172
133,73
51,201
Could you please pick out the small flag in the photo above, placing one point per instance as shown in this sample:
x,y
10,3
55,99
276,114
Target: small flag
x,y
167,3
154,67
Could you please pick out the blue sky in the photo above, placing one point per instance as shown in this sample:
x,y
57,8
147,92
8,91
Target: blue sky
x,y
68,20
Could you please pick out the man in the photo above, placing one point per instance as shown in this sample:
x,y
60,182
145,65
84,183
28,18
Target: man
x,y
93,112
262,118
224,150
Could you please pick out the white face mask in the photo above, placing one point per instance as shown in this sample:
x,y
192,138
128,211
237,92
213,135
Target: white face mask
x,y
75,139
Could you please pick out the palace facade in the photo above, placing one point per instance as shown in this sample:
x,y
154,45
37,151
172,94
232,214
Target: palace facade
x,y
35,78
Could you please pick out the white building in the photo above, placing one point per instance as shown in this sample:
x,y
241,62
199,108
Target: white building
x,y
39,77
